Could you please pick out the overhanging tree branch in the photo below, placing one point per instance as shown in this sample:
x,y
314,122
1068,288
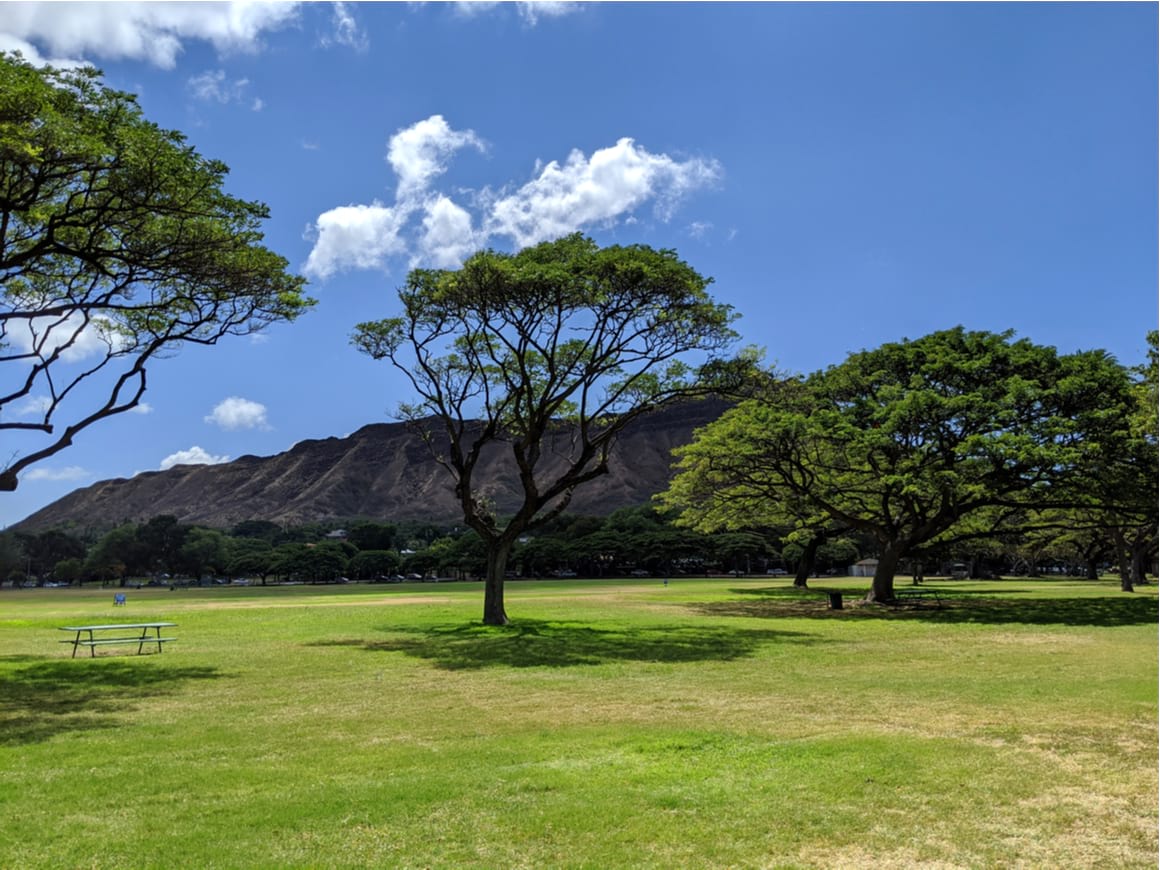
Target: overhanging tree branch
x,y
117,247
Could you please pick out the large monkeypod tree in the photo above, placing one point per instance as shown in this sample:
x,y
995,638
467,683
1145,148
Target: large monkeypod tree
x,y
117,246
537,360
952,436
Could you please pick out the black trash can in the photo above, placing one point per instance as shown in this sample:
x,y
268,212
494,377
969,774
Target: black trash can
x,y
835,600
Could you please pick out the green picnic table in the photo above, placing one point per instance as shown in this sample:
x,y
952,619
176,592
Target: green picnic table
x,y
92,641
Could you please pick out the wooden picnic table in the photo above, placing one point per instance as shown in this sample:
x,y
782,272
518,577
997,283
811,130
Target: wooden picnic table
x,y
92,641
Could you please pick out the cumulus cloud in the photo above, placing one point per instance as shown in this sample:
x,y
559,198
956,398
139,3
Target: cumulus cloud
x,y
193,456
419,153
154,32
356,237
447,238
584,191
238,413
68,473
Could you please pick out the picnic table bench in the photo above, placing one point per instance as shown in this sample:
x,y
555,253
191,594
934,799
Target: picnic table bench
x,y
92,641
902,597
918,596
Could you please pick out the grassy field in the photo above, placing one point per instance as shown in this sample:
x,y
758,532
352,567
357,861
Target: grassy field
x,y
723,723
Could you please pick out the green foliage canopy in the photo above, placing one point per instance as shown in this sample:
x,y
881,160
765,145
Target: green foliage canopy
x,y
117,245
911,442
510,346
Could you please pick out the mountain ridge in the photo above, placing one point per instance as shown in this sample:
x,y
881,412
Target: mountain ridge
x,y
381,471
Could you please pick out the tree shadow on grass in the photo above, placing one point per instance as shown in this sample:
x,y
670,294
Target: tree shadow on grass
x,y
48,697
987,607
536,643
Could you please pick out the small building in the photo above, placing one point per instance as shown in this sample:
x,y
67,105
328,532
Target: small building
x,y
864,568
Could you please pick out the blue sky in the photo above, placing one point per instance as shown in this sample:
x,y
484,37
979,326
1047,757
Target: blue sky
x,y
848,175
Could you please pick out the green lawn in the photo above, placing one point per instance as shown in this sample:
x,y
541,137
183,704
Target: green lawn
x,y
728,723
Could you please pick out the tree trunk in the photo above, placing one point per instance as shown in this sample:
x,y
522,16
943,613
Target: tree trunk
x,y
882,587
806,562
1122,561
497,556
1141,550
1093,568
918,578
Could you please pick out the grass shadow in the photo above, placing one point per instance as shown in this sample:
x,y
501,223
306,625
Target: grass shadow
x,y
986,607
50,697
536,643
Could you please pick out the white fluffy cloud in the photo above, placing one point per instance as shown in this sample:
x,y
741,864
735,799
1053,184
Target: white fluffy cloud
x,y
193,456
238,413
356,237
596,190
584,191
68,473
447,238
419,153
154,32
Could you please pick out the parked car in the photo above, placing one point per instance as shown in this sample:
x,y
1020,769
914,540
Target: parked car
x,y
638,572
776,572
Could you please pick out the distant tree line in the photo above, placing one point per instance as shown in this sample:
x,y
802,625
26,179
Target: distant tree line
x,y
643,541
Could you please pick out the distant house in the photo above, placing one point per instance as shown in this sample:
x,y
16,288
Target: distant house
x,y
865,568
336,535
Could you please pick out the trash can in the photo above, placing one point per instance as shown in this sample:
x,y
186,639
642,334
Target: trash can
x,y
835,600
